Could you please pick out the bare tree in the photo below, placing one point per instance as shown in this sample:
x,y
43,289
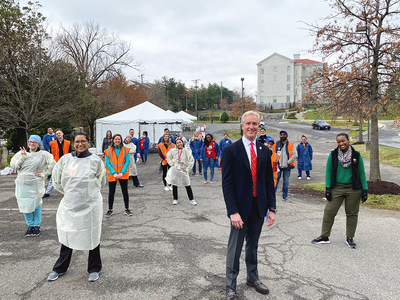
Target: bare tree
x,y
97,56
361,36
34,88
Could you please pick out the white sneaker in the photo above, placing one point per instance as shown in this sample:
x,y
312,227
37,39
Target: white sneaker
x,y
299,177
193,202
174,202
170,188
166,189
308,178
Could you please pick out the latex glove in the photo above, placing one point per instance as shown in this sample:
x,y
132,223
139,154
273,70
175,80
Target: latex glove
x,y
328,194
364,196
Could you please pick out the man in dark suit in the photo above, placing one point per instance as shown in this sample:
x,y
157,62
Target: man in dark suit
x,y
248,188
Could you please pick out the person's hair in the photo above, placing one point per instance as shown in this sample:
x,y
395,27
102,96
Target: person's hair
x,y
108,131
80,133
165,129
178,139
262,128
128,136
343,134
114,136
58,129
303,136
145,132
169,140
251,112
206,142
131,129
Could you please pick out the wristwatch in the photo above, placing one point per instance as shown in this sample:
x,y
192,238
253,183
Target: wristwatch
x,y
273,210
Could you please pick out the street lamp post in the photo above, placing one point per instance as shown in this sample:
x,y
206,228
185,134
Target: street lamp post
x,y
242,79
364,29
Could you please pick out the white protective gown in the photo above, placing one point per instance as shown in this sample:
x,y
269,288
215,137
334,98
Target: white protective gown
x,y
175,174
29,189
132,165
80,212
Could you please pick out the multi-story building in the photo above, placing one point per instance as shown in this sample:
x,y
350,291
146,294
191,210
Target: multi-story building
x,y
280,80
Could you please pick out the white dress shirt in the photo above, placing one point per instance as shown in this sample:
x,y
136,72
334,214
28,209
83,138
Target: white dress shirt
x,y
247,145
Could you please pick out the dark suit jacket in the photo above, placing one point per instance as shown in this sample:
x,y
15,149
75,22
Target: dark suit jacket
x,y
237,183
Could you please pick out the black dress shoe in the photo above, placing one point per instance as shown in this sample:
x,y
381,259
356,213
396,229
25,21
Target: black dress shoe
x,y
258,286
230,295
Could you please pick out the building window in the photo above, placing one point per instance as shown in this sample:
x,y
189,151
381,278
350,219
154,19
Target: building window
x,y
288,87
275,78
274,99
287,99
262,88
262,79
262,70
288,78
275,69
261,99
288,69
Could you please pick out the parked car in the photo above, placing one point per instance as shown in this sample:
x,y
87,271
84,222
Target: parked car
x,y
321,124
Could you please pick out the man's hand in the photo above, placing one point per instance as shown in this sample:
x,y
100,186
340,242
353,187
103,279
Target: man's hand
x,y
270,218
236,221
328,194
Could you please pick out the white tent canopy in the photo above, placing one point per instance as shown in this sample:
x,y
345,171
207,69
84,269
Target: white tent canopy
x,y
143,117
186,116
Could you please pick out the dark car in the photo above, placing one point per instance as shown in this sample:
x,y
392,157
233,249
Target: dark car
x,y
321,124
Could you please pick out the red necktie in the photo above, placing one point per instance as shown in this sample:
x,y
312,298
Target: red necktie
x,y
253,158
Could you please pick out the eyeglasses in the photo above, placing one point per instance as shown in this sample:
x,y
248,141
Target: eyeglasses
x,y
81,142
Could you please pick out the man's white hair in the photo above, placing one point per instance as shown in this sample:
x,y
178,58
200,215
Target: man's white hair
x,y
251,112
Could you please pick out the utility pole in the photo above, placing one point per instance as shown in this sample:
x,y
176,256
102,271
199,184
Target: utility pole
x,y
221,94
141,78
196,87
242,79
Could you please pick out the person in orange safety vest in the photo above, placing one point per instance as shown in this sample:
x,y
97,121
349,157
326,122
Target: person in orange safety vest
x,y
163,149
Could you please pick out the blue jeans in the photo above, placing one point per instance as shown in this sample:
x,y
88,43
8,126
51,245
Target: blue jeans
x,y
208,162
285,187
307,173
194,167
34,218
143,155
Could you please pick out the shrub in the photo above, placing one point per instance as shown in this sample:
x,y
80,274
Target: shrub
x,y
224,117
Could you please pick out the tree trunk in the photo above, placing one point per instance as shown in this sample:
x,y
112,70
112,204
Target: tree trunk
x,y
360,129
91,132
374,172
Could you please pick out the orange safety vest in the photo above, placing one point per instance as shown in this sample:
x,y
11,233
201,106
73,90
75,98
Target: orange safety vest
x,y
274,160
164,151
116,162
55,150
290,146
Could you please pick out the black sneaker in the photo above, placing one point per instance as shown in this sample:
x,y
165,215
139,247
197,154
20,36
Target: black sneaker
x,y
36,231
128,213
109,213
321,240
29,231
46,195
350,242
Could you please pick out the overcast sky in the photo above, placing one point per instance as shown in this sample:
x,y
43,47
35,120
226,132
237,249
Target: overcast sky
x,y
214,41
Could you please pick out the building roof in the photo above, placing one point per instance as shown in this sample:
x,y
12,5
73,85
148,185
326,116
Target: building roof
x,y
306,61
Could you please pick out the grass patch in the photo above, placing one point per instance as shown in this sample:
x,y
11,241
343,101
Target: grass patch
x,y
387,155
235,133
386,201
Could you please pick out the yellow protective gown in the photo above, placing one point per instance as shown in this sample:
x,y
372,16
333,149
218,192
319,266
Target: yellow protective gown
x,y
80,212
176,175
29,188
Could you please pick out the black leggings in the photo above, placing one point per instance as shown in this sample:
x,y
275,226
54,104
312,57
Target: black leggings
x,y
164,173
111,191
188,191
135,180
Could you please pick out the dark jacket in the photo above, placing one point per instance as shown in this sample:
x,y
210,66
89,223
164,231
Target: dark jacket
x,y
237,182
355,160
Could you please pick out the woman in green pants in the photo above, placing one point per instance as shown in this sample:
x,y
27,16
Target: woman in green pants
x,y
345,180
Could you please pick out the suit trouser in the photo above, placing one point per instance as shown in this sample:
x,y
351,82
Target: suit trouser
x,y
251,231
62,263
351,199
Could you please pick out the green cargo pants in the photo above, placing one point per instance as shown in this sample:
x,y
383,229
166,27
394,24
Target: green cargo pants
x,y
342,191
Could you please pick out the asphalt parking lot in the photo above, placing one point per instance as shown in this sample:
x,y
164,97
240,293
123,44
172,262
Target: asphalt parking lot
x,y
178,252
